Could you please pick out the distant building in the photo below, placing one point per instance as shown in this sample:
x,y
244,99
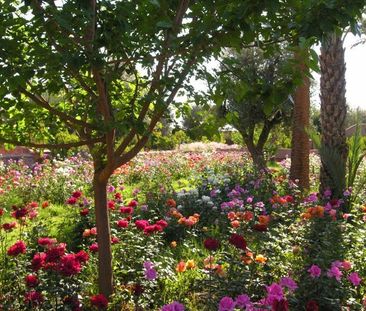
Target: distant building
x,y
19,153
227,131
352,129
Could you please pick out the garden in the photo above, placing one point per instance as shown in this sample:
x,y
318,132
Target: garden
x,y
168,155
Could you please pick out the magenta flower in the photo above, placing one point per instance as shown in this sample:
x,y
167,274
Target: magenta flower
x,y
334,272
274,292
243,301
174,306
289,283
150,272
314,271
354,278
226,304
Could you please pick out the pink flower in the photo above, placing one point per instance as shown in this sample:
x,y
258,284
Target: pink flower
x,y
114,240
174,306
289,283
346,265
354,278
17,248
141,224
274,292
126,210
122,223
243,301
314,271
334,272
226,304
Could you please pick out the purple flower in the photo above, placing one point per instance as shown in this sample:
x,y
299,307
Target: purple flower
x,y
327,193
289,283
249,199
274,292
334,272
314,271
150,274
174,306
354,278
226,304
243,301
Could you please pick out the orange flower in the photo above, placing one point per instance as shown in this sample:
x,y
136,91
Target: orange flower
x,y
86,233
306,215
171,203
264,219
260,259
235,224
220,270
173,244
181,266
209,262
247,258
190,264
248,216
231,216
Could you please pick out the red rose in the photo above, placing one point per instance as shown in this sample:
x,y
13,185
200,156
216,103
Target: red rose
x,y
38,261
82,256
126,210
46,241
55,252
114,240
69,265
31,280
133,203
238,241
76,194
84,212
33,298
99,301
312,306
9,226
149,229
281,305
1,211
122,223
17,248
211,244
260,227
141,224
162,223
19,213
94,247
111,205
71,201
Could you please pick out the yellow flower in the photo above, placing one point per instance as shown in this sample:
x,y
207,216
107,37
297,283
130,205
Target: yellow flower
x,y
190,264
260,259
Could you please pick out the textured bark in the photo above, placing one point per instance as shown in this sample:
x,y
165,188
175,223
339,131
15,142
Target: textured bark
x,y
300,145
333,114
105,271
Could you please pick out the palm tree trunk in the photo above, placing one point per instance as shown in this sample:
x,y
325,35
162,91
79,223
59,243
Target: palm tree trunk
x,y
300,145
333,114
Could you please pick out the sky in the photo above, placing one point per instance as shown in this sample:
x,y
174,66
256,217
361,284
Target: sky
x,y
355,58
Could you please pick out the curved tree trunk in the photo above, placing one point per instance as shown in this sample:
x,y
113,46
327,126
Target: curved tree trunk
x,y
105,270
333,114
300,145
256,153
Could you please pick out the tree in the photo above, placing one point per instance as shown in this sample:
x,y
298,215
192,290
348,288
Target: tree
x,y
255,89
115,66
333,113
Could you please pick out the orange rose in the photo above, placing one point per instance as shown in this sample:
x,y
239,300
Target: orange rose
x,y
181,267
260,259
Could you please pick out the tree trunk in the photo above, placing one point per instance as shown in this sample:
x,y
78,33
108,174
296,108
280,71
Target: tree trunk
x,y
105,271
300,146
333,115
257,154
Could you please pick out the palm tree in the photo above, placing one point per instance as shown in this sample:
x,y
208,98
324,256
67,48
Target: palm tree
x,y
300,145
333,115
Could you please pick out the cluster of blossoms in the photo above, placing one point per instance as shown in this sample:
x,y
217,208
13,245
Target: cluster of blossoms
x,y
20,214
336,271
148,228
235,239
186,221
99,301
182,266
281,200
174,306
77,199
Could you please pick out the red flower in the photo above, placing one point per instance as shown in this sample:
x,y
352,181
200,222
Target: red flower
x,y
76,194
84,212
122,223
171,203
126,210
69,265
149,229
73,303
162,223
99,301
94,247
93,231
31,280
9,226
33,298
238,241
260,227
111,205
211,244
17,248
71,201
82,256
46,241
312,306
19,213
141,224
38,261
33,204
114,240
133,203
55,252
118,196
1,211
45,204
281,305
